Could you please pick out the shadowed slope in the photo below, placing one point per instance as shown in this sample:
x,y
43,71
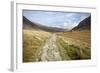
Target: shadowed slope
x,y
84,25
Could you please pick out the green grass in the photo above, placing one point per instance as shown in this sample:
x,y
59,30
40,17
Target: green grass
x,y
72,51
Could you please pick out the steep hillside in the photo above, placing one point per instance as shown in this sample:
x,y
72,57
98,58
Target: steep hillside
x,y
83,25
26,23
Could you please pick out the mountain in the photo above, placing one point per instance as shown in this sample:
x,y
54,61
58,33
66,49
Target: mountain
x,y
27,24
83,25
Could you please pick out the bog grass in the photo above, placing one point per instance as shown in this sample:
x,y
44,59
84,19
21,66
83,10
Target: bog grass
x,y
74,45
32,41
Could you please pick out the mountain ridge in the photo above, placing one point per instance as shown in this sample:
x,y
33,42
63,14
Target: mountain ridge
x,y
83,25
27,24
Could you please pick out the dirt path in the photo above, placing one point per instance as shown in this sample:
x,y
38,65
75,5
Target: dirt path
x,y
50,51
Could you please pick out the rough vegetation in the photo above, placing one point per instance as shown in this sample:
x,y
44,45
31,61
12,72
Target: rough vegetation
x,y
45,46
39,44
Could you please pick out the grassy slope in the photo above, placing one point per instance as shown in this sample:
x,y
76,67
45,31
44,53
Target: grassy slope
x,y
32,41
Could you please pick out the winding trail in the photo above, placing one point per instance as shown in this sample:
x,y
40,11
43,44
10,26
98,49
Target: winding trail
x,y
49,51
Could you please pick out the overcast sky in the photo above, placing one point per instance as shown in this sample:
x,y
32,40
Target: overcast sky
x,y
55,19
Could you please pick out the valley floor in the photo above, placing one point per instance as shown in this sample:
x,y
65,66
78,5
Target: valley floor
x,y
46,46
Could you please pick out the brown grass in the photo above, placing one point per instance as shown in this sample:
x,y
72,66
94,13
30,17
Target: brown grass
x,y
84,36
32,41
74,45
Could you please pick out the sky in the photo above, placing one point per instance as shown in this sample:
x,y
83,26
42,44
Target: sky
x,y
66,20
